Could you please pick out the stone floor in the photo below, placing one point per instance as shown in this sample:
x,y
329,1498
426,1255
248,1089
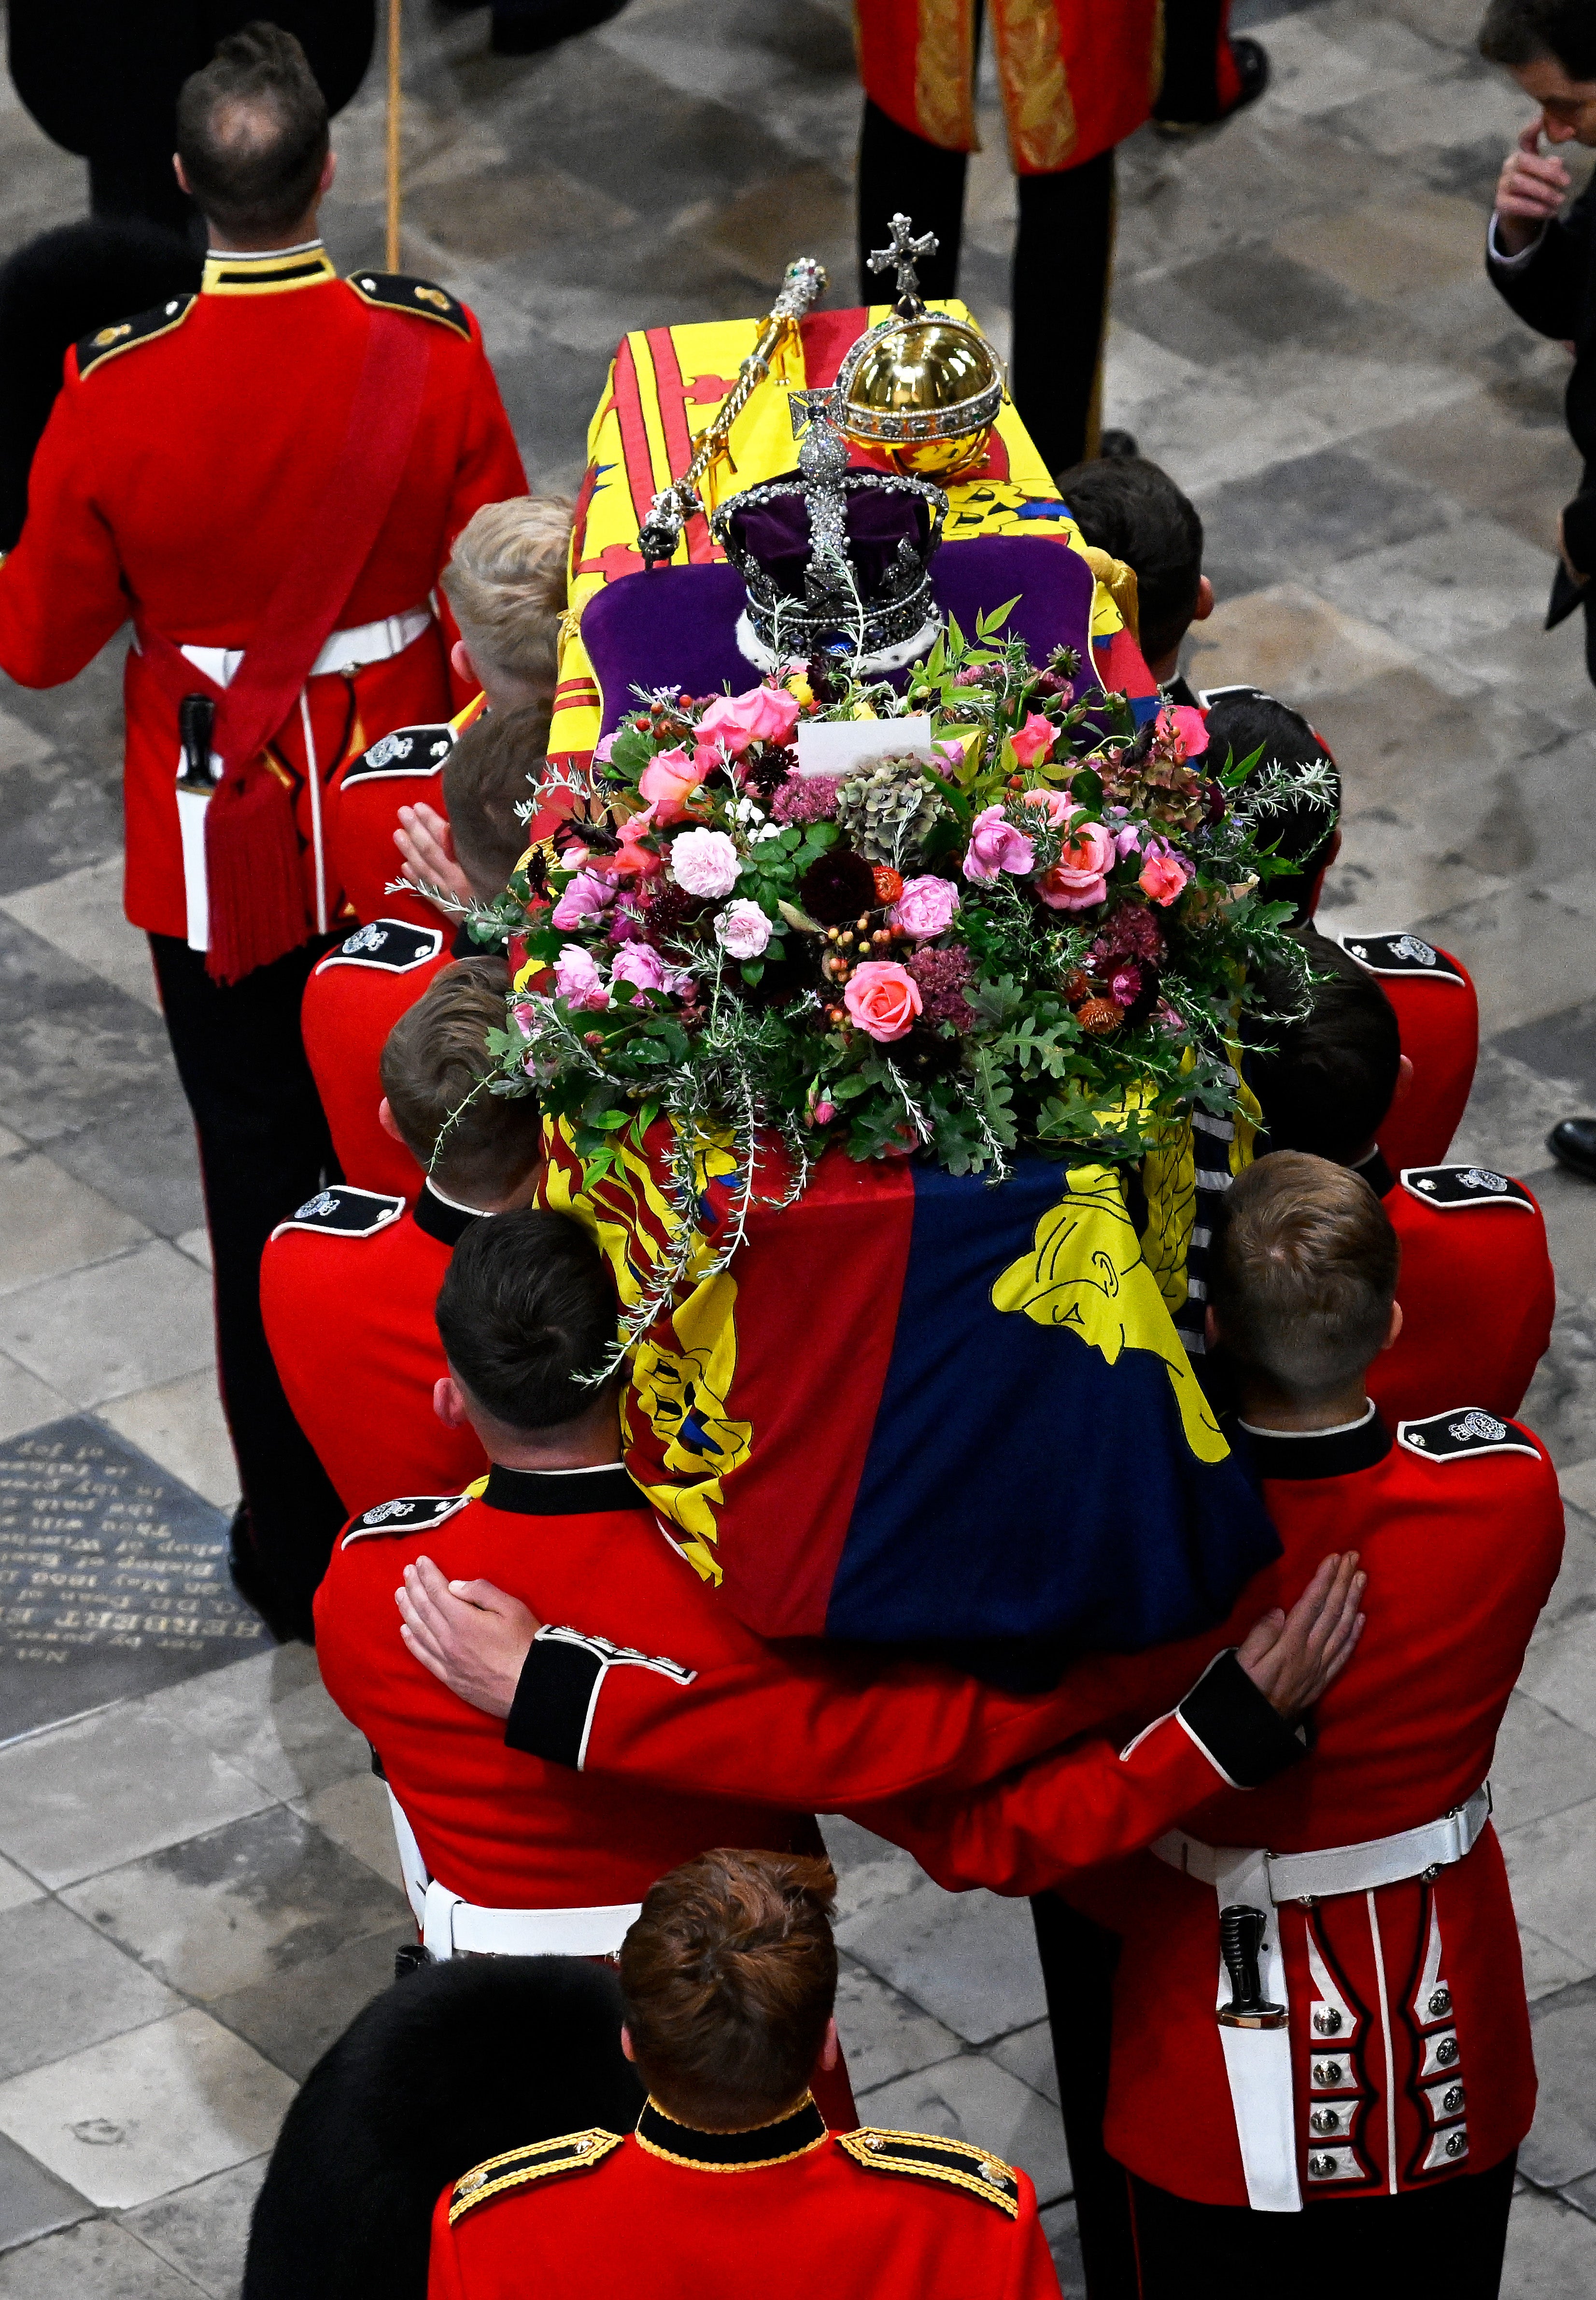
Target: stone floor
x,y
196,1887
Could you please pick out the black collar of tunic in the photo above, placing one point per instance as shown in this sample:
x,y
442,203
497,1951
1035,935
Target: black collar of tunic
x,y
562,1493
439,1219
1377,1174
1320,1452
731,2152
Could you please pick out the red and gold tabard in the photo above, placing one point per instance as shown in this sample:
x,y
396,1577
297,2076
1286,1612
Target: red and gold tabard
x,y
182,464
1077,75
664,387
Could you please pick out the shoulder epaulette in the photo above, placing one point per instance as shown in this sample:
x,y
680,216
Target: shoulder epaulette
x,y
407,751
573,2152
412,1513
1461,1434
1450,1186
393,943
928,2157
1401,954
341,1210
395,291
105,343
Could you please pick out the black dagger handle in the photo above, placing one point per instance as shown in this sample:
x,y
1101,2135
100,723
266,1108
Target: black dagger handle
x,y
1240,1937
196,719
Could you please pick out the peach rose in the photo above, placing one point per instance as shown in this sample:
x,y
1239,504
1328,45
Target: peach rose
x,y
1163,875
666,781
883,999
1078,879
1055,804
1034,740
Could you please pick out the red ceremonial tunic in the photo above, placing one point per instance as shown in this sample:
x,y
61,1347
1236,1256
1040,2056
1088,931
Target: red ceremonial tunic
x,y
175,478
1477,1286
1409,2054
352,1001
348,1289
404,769
1438,1019
1077,75
785,2211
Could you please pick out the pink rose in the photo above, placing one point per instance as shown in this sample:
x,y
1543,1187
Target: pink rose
x,y
995,845
577,978
1056,805
883,999
584,897
1034,740
640,963
765,714
1191,725
1164,874
741,929
705,862
666,781
925,908
1077,880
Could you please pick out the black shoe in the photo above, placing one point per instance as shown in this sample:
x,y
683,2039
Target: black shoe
x,y
1253,65
1117,447
289,1622
1572,1142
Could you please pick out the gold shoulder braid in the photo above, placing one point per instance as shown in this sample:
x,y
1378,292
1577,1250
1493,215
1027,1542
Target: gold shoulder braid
x,y
572,2152
926,2156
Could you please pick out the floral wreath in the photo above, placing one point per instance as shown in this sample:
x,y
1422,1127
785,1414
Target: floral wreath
x,y
1041,939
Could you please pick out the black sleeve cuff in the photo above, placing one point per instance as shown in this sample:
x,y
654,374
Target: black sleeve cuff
x,y
554,1702
1579,532
1236,1727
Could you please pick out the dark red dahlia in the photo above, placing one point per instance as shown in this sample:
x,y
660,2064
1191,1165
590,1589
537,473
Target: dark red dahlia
x,y
841,886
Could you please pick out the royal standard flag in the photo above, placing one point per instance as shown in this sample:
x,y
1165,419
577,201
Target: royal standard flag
x,y
914,1407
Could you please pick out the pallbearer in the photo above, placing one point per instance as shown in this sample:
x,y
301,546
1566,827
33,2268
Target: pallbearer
x,y
267,477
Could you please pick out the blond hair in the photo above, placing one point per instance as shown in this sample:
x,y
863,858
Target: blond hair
x,y
506,584
1305,1274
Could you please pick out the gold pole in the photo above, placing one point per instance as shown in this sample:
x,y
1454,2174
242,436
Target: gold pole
x,y
395,100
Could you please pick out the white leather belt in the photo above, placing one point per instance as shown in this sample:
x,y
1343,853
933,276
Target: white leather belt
x,y
1338,1869
344,651
452,1927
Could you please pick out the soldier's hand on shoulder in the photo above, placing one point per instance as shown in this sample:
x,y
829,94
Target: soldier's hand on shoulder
x,y
472,1635
428,852
1529,190
1293,1658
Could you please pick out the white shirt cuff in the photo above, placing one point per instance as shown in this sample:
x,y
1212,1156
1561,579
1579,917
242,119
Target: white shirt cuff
x,y
1511,262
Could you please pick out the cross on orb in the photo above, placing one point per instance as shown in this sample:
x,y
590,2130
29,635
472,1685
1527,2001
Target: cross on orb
x,y
902,254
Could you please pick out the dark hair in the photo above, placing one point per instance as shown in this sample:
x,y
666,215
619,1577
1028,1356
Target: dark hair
x,y
1126,506
728,1978
474,1143
1524,31
251,131
526,1309
1242,719
1303,1273
493,770
1327,1082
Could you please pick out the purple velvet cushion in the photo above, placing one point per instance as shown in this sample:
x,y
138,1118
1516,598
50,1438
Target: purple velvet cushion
x,y
676,626
777,534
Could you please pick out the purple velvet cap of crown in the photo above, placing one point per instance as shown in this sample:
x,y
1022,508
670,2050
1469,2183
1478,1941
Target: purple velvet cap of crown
x,y
776,533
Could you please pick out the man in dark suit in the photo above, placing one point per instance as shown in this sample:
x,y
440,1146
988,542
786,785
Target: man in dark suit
x,y
1542,260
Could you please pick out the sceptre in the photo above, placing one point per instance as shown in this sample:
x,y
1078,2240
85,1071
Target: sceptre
x,y
803,282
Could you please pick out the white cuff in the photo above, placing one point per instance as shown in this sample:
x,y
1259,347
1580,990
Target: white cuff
x,y
1511,262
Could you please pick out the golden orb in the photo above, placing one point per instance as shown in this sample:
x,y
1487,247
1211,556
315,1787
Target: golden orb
x,y
924,387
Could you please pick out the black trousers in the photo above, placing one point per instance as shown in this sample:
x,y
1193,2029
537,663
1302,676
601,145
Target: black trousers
x,y
264,1149
1078,1959
1063,255
1448,2239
